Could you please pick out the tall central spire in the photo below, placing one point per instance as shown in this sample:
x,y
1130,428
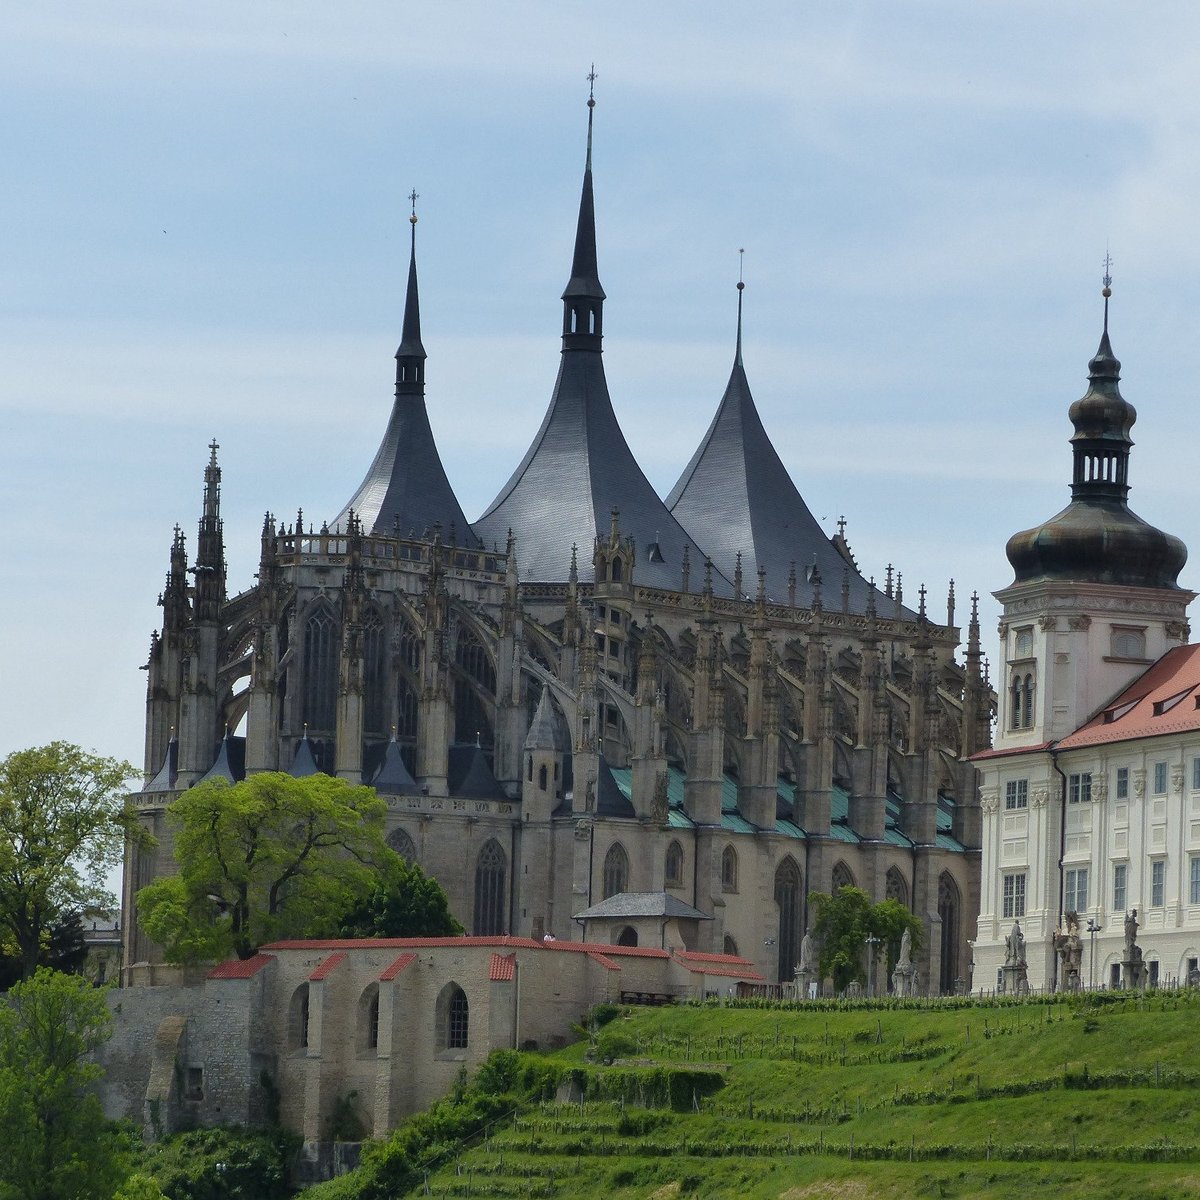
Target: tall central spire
x,y
583,299
411,354
579,468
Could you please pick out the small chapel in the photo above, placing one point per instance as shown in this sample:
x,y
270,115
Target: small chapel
x,y
596,714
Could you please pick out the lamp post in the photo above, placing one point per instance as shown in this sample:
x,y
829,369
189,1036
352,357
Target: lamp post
x,y
872,942
1093,928
970,967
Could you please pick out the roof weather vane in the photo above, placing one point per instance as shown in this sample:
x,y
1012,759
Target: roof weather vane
x,y
413,197
592,77
1106,291
741,263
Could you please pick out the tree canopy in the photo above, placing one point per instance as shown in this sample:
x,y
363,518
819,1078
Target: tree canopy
x,y
271,857
404,902
62,829
842,923
56,1142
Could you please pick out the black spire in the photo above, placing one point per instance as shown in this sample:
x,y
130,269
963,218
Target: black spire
x,y
583,299
736,498
410,357
579,466
406,486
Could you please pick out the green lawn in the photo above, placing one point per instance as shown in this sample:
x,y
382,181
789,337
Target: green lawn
x,y
1082,1099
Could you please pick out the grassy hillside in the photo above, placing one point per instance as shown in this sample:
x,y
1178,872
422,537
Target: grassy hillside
x,y
1093,1097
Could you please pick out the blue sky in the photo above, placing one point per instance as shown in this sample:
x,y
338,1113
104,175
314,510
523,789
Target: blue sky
x,y
203,234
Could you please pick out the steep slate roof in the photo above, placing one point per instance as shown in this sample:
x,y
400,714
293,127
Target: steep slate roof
x,y
579,466
642,904
393,777
406,486
736,495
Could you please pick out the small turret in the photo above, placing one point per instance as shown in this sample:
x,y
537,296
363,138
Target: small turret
x,y
543,785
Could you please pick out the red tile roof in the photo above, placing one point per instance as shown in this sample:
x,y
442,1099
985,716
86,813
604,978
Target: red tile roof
x,y
1163,700
730,965
502,968
1007,751
240,968
327,967
602,948
604,961
390,973
402,943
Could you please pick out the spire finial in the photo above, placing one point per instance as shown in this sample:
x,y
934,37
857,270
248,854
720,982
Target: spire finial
x,y
1106,290
591,105
741,287
410,357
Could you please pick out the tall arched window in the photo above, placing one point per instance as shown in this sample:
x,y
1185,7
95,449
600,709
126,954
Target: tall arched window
x,y
674,864
729,946
841,877
453,1018
491,872
896,887
729,869
1027,707
616,871
403,845
791,929
948,910
367,1034
298,1019
374,675
322,653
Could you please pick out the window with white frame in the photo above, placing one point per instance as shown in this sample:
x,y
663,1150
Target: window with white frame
x,y
1120,873
1196,774
1160,778
1076,898
1013,895
1123,782
1016,793
1079,788
1194,880
1158,883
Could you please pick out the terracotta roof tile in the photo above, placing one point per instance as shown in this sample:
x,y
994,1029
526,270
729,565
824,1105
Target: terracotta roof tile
x,y
390,973
1009,751
240,968
606,962
327,967
1143,708
502,968
719,959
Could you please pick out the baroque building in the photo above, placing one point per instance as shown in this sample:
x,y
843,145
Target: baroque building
x,y
1091,796
591,706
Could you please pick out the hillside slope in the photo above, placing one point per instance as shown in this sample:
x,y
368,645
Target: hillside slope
x,y
1090,1097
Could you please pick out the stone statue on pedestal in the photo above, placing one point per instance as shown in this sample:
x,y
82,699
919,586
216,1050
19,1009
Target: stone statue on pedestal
x,y
1068,945
1014,977
1133,969
904,977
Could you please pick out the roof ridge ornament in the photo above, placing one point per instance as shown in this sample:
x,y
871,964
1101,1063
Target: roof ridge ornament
x,y
741,287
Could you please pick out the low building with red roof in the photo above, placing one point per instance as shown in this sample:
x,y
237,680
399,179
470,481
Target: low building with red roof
x,y
392,1020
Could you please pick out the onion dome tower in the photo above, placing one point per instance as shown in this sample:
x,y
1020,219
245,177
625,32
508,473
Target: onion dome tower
x,y
1097,538
406,489
737,497
1095,599
579,467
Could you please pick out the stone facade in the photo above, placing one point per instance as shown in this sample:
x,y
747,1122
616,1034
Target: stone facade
x,y
394,1021
735,743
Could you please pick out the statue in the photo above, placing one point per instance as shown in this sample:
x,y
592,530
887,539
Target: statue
x,y
806,953
905,950
1014,947
904,975
1131,931
1068,945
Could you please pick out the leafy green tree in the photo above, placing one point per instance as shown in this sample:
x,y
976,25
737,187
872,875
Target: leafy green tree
x,y
56,1143
63,821
270,857
842,924
62,949
209,1164
404,902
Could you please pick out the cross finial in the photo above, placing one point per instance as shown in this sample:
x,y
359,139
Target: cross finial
x,y
1106,290
413,197
592,77
841,524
